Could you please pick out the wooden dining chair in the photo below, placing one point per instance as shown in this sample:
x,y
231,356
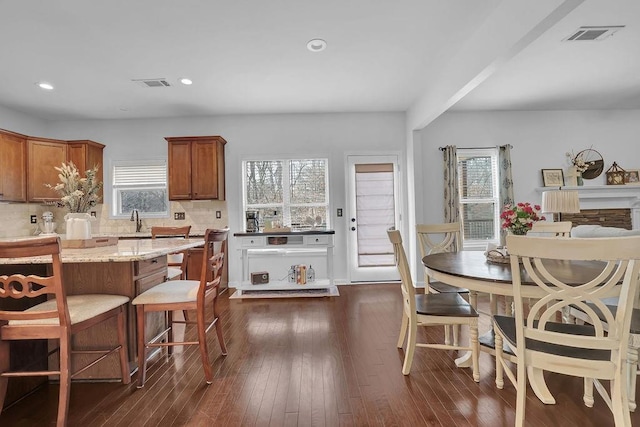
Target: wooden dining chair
x,y
431,310
176,262
184,295
551,229
578,316
543,344
58,318
438,238
541,229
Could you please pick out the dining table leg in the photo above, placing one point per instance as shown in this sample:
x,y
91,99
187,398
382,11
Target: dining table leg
x,y
465,361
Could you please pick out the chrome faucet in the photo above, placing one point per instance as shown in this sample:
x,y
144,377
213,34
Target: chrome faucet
x,y
136,218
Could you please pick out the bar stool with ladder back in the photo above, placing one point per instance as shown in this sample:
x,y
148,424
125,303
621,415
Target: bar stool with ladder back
x,y
185,295
59,318
177,262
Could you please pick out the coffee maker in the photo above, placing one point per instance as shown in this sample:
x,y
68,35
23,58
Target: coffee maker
x,y
252,222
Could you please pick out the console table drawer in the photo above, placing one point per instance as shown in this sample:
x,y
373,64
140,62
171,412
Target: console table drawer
x,y
252,242
317,240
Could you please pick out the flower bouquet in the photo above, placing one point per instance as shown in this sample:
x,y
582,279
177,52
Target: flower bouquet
x,y
519,218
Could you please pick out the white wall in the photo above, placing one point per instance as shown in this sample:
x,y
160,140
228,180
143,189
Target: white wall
x,y
16,121
540,140
328,135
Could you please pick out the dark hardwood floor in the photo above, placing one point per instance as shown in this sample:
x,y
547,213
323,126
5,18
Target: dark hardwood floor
x,y
313,361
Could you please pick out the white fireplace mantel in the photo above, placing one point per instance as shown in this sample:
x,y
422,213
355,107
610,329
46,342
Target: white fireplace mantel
x,y
607,197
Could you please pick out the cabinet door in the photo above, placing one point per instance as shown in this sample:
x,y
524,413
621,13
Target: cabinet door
x,y
204,162
194,263
43,157
179,170
85,155
13,176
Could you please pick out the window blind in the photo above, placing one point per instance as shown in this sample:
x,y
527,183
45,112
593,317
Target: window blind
x,y
148,175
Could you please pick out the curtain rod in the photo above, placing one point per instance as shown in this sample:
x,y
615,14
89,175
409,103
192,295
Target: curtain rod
x,y
479,148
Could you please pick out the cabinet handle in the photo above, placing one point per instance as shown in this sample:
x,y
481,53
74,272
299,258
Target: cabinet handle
x,y
353,229
154,261
317,240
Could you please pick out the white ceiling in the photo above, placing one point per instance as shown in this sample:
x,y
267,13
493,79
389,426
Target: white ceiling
x,y
250,57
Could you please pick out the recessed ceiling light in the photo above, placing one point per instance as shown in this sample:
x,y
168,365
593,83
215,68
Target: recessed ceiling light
x,y
45,85
186,81
316,45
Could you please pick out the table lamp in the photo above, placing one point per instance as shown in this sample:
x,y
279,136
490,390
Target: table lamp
x,y
560,201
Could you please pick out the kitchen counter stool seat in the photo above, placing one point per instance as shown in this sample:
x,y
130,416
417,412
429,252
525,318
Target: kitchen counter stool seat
x,y
58,318
176,263
185,295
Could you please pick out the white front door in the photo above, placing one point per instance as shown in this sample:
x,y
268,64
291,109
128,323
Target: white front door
x,y
373,208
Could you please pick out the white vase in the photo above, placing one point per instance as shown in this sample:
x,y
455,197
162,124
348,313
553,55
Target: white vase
x,y
78,226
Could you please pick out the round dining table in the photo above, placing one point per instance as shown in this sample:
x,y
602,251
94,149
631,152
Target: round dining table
x,y
472,270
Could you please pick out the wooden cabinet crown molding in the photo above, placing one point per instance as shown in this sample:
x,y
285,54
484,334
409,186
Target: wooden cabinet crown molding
x,y
196,168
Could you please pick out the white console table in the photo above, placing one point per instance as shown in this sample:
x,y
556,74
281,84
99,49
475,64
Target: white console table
x,y
283,243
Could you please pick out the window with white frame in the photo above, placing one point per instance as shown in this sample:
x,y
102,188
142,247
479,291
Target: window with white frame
x,y
140,185
293,192
479,196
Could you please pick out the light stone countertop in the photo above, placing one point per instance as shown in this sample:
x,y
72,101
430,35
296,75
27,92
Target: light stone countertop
x,y
124,251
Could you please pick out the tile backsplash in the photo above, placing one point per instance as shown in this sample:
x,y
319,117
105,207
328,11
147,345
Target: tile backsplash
x,y
201,214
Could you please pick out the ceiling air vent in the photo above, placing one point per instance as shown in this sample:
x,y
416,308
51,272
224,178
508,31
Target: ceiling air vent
x,y
593,33
152,82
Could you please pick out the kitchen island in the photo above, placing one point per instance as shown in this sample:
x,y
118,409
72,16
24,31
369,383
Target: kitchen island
x,y
128,268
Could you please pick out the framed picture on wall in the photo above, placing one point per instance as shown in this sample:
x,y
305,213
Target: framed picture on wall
x,y
552,177
632,177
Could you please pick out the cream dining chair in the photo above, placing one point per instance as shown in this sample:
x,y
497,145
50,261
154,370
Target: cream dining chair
x,y
549,229
578,316
439,238
589,351
542,229
431,310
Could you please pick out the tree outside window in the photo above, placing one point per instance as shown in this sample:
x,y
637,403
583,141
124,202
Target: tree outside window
x,y
293,192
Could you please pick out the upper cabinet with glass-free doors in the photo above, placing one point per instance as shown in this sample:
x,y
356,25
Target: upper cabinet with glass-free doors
x,y
196,168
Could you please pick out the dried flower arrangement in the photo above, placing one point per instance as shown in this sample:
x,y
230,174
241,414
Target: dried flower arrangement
x,y
77,194
578,161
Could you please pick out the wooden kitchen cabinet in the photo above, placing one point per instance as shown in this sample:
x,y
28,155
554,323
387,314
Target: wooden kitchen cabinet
x,y
196,168
86,154
43,156
13,163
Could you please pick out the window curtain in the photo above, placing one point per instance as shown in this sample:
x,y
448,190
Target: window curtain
x,y
451,199
505,182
